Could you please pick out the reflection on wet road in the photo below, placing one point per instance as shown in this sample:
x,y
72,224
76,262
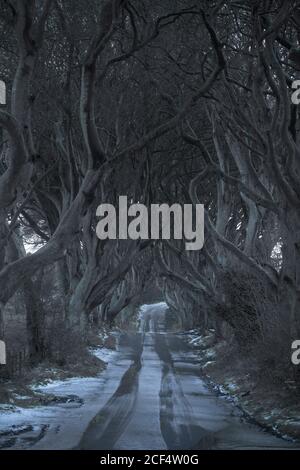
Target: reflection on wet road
x,y
162,403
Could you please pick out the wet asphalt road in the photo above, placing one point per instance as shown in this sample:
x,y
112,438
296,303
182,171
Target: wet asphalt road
x,y
162,403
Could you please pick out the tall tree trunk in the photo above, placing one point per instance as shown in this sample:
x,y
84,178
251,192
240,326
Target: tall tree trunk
x,y
35,319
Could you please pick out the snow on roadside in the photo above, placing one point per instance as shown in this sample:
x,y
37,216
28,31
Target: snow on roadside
x,y
60,426
265,410
104,354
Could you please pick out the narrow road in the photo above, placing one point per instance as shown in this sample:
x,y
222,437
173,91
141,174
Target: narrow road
x,y
162,403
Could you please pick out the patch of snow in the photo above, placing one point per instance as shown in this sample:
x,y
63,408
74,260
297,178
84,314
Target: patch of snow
x,y
208,364
196,341
105,354
232,387
210,353
21,397
60,425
